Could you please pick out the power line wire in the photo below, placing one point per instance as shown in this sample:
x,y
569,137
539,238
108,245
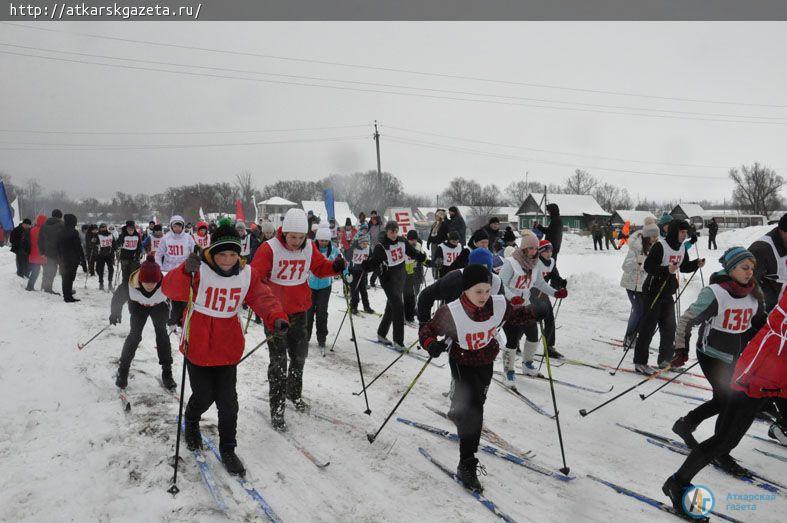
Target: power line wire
x,y
173,132
405,71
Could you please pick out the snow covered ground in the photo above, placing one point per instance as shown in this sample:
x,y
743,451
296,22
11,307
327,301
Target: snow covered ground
x,y
69,452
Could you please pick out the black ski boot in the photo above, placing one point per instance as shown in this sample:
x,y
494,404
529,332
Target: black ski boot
x,y
554,354
166,378
467,473
684,429
101,285
321,344
728,464
300,405
368,310
674,491
192,435
278,422
232,462
122,377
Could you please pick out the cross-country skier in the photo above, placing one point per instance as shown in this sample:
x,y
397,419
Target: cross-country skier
x,y
201,236
105,256
145,300
414,278
729,312
468,327
152,242
357,276
665,259
388,258
760,375
450,255
129,244
547,271
284,262
634,274
174,248
222,282
321,289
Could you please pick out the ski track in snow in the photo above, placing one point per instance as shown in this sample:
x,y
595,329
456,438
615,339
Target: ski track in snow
x,y
69,452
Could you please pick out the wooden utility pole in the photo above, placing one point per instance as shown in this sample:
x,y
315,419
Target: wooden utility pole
x,y
377,146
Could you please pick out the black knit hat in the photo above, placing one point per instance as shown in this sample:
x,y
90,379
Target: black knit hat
x,y
130,223
475,273
392,225
412,234
225,238
783,222
453,236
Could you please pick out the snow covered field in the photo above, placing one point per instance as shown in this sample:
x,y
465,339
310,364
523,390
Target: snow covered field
x,y
68,452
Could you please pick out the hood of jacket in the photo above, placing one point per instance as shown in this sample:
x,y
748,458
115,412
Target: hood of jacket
x,y
69,221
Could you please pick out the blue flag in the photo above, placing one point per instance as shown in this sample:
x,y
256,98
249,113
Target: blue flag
x,y
6,214
329,204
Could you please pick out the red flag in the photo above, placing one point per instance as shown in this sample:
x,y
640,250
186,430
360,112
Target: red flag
x,y
239,216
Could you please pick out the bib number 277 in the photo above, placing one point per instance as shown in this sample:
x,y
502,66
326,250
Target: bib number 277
x,y
291,269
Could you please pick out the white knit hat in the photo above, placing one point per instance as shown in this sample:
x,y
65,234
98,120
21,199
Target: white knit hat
x,y
240,225
323,233
267,228
528,239
177,219
295,221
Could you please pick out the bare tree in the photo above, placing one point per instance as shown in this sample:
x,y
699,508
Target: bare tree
x,y
611,198
245,185
485,201
461,191
516,192
581,182
757,189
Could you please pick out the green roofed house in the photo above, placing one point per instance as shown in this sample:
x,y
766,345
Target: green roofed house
x,y
577,210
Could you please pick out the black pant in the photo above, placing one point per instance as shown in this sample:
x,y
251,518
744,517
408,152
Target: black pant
x,y
358,287
50,270
139,316
287,381
68,274
214,384
319,308
467,404
661,315
731,425
373,278
412,283
176,309
549,321
109,262
21,264
35,268
597,245
514,333
719,375
608,240
712,241
127,266
394,313
92,257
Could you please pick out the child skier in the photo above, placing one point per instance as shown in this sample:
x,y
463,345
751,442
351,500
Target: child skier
x,y
129,243
450,255
730,312
284,262
174,248
357,275
388,258
105,256
414,277
145,300
468,327
665,259
321,289
221,283
152,242
201,237
760,375
547,272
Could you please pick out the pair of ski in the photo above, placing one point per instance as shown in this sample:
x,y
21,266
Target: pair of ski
x,y
527,401
419,357
362,313
540,376
679,447
489,449
662,378
320,464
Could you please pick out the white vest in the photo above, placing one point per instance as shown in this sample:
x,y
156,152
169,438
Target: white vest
x,y
450,254
130,242
544,268
735,314
781,263
671,255
475,335
105,242
154,243
290,268
522,281
202,241
245,245
221,296
360,255
395,254
134,294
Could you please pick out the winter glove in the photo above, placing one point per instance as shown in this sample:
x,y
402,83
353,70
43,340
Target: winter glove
x,y
192,263
114,319
517,301
281,326
540,309
701,263
338,264
680,358
436,348
561,293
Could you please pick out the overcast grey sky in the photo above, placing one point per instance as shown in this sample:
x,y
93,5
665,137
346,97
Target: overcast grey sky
x,y
742,63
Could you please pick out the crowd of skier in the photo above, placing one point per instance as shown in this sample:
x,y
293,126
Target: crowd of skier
x,y
460,290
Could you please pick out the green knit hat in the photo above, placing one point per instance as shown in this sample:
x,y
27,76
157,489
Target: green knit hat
x,y
225,237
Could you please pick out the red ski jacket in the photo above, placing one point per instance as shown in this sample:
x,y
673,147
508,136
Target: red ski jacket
x,y
220,341
35,253
297,298
761,370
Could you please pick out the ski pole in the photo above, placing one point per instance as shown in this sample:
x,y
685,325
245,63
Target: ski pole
x,y
81,346
86,275
372,437
565,470
687,284
633,340
368,411
407,350
655,375
643,397
346,312
558,302
185,341
702,278
252,351
248,320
